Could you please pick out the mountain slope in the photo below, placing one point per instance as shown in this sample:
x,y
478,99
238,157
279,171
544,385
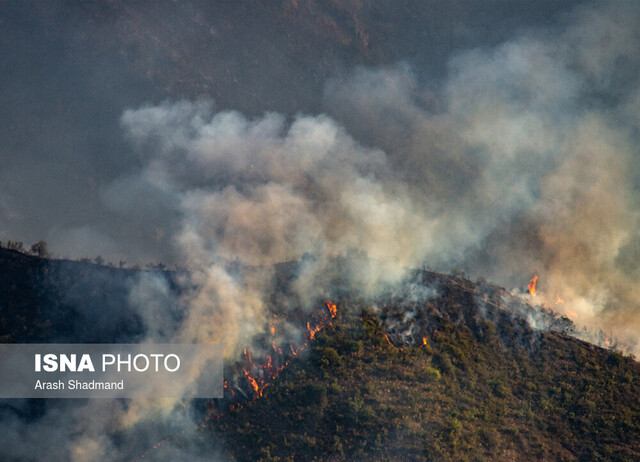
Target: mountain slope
x,y
465,391
442,368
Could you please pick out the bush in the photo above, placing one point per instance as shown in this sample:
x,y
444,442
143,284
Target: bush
x,y
40,249
444,363
329,357
431,374
499,389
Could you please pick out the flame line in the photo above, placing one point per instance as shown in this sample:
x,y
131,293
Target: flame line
x,y
258,385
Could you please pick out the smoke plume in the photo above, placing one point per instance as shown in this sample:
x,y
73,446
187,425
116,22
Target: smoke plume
x,y
521,162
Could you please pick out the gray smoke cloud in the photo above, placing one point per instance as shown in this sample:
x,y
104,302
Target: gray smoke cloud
x,y
530,152
521,163
72,68
103,430
267,190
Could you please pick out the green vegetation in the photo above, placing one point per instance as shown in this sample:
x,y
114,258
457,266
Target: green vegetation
x,y
458,398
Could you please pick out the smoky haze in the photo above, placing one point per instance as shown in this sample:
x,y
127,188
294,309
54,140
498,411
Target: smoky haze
x,y
491,137
520,162
70,69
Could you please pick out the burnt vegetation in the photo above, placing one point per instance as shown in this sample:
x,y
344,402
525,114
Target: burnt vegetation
x,y
443,369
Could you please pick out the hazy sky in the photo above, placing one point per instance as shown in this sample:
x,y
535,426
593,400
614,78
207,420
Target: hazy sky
x,y
70,70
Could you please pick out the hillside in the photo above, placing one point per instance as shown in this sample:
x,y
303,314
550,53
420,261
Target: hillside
x,y
476,388
443,368
47,300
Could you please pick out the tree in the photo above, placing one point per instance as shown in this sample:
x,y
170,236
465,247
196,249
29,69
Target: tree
x,y
40,249
18,246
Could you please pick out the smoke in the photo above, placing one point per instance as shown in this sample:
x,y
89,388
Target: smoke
x,y
105,430
566,111
267,190
520,162
529,150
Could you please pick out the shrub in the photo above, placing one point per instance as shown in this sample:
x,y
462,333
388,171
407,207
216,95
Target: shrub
x,y
431,374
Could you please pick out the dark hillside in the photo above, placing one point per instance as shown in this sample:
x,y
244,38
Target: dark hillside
x,y
442,368
45,300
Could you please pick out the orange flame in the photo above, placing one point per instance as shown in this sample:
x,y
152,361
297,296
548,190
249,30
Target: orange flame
x,y
424,340
532,285
333,310
312,332
559,301
270,368
253,383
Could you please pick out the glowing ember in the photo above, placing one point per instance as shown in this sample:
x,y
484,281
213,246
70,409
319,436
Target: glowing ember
x,y
532,285
571,315
424,340
253,383
312,332
333,310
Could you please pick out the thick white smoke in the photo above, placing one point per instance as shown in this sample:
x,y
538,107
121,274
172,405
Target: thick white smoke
x,y
521,162
530,152
269,190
